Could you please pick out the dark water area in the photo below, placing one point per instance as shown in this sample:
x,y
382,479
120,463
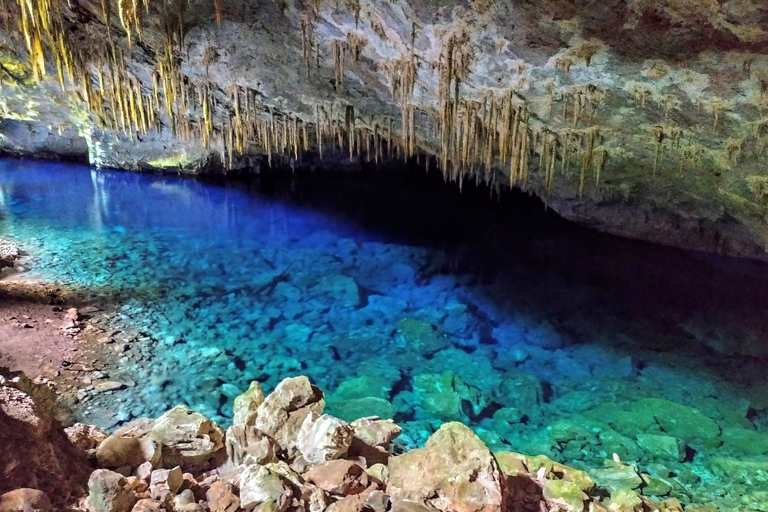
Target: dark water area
x,y
403,297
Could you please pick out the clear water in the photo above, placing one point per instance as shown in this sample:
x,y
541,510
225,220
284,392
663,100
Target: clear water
x,y
543,337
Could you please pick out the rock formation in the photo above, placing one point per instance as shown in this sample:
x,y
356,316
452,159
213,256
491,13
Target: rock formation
x,y
323,464
646,119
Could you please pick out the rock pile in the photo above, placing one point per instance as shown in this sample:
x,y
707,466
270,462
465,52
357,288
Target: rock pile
x,y
283,454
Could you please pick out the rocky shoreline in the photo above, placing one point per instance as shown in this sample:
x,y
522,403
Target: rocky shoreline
x,y
280,454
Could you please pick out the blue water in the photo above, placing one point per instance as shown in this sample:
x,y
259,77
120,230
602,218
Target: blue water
x,y
520,332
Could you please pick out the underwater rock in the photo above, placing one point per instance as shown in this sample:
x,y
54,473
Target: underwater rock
x,y
681,421
743,441
324,438
455,471
662,447
356,408
421,337
337,289
447,397
189,439
109,492
616,476
23,500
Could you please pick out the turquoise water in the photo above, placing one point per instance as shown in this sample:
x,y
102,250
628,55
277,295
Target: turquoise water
x,y
428,307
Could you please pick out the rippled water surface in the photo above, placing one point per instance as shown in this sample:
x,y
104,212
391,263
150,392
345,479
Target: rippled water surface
x,y
419,304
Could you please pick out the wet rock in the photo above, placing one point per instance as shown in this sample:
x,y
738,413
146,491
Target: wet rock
x,y
339,477
338,289
221,497
662,447
25,500
190,440
259,485
653,486
324,438
110,492
567,496
455,471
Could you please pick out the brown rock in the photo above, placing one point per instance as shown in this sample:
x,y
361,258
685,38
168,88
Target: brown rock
x,y
340,477
148,505
25,500
454,472
110,492
222,498
85,437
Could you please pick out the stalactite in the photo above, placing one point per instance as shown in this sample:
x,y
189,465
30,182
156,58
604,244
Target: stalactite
x,y
339,49
658,139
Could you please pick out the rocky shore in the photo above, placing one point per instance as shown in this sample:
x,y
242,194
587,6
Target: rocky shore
x,y
282,453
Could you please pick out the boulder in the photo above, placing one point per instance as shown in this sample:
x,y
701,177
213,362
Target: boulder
x,y
283,411
662,447
375,431
109,492
25,500
616,476
250,446
85,437
565,496
324,438
454,472
165,482
259,485
681,421
191,440
221,497
246,406
339,477
117,452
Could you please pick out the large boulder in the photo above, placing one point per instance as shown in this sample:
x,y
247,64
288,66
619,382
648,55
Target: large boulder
x,y
324,438
283,411
190,440
454,472
246,406
34,451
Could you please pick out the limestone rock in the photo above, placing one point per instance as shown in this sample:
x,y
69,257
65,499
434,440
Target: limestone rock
x,y
25,500
454,472
616,476
85,437
117,452
110,492
246,406
284,410
324,438
375,431
164,482
221,497
190,440
259,485
662,447
566,495
339,477
249,446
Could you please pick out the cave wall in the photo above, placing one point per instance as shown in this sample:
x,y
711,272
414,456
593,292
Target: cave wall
x,y
645,119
